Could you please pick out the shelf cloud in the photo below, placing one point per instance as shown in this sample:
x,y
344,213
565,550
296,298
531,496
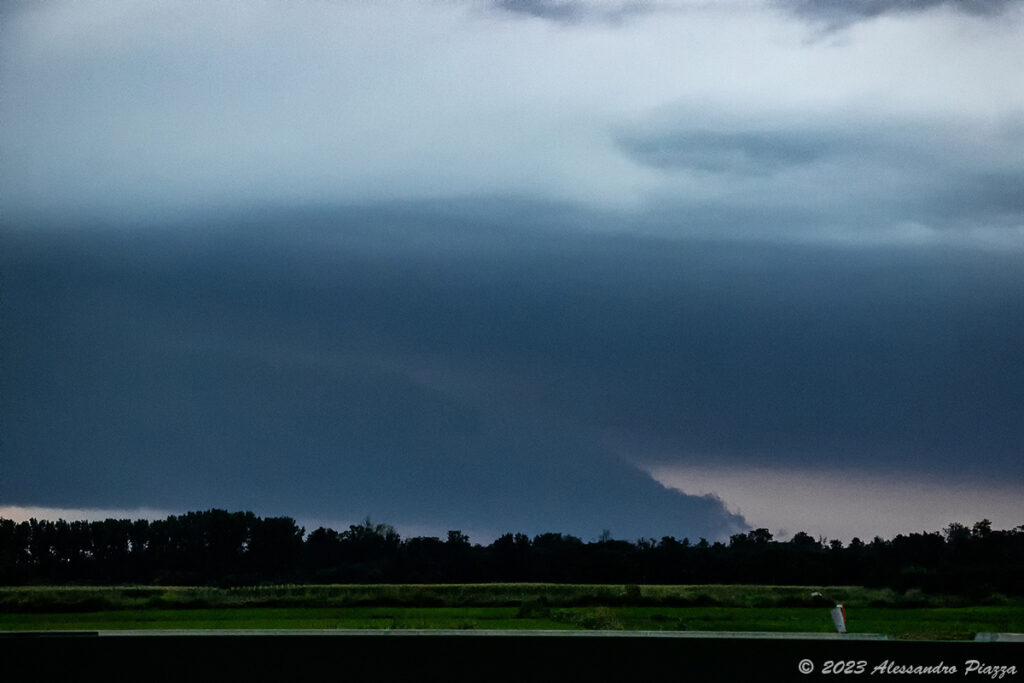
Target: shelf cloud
x,y
493,265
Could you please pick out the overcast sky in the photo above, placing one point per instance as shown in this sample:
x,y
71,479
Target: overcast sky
x,y
543,265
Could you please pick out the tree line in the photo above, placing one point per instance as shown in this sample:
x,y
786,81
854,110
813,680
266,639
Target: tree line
x,y
216,547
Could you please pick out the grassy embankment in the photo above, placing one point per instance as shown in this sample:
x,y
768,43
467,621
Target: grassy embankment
x,y
507,606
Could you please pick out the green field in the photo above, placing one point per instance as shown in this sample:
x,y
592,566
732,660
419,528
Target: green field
x,y
506,606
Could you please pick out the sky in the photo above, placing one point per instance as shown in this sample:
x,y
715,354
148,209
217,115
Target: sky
x,y
656,268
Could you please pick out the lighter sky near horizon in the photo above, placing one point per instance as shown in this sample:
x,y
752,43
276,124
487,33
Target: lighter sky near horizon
x,y
557,265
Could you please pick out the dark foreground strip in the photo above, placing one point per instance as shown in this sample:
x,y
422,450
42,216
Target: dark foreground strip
x,y
489,656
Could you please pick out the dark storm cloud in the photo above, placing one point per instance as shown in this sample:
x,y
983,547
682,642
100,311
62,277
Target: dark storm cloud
x,y
573,11
839,13
299,379
558,10
735,152
995,193
427,366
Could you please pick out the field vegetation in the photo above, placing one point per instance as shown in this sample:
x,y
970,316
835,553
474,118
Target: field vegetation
x,y
96,598
911,614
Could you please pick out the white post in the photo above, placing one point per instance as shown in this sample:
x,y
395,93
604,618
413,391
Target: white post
x,y
839,618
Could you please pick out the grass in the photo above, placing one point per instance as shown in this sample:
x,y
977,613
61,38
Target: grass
x,y
505,606
280,618
92,598
941,624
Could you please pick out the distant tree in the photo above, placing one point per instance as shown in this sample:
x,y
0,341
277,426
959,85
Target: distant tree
x,y
372,534
644,544
982,529
670,543
138,542
738,541
511,557
556,557
956,533
217,546
111,546
275,546
323,547
803,541
458,539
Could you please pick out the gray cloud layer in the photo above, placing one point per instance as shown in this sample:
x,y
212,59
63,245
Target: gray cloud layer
x,y
421,366
560,10
838,173
744,152
833,14
141,110
839,13
574,11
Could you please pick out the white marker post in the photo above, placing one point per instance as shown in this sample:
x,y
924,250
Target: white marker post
x,y
839,618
